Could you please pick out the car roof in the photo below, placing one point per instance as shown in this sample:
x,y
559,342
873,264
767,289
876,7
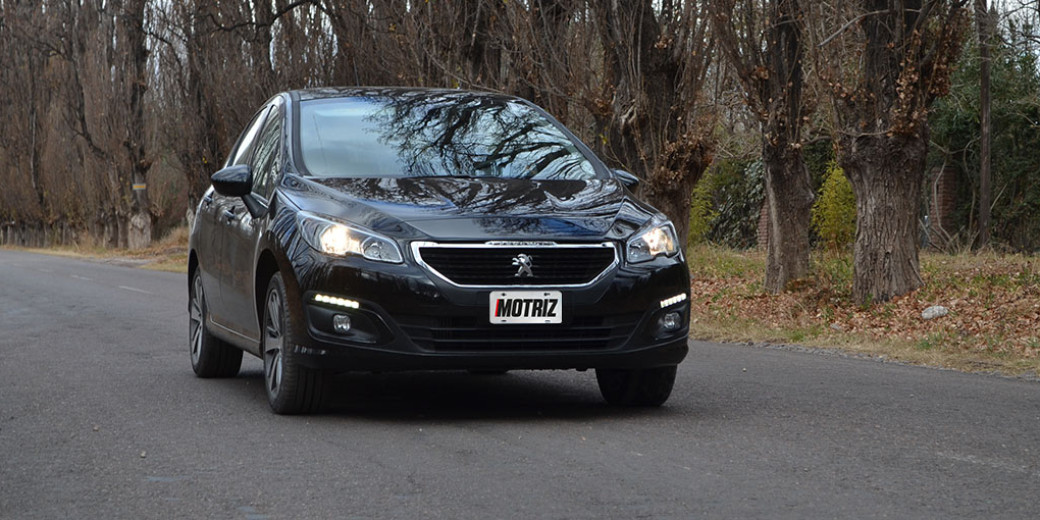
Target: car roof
x,y
386,92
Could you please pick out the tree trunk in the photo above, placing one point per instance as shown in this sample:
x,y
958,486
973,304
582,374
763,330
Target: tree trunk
x,y
767,59
904,54
122,230
789,197
788,186
886,174
982,22
140,229
111,233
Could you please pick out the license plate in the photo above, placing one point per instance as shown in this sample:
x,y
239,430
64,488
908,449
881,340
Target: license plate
x,y
526,307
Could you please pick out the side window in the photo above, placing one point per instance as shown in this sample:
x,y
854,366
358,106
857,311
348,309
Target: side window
x,y
265,160
241,152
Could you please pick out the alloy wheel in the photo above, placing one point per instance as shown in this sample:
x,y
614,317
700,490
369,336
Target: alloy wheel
x,y
273,343
195,323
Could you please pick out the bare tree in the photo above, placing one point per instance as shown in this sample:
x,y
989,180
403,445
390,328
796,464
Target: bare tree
x,y
104,91
218,67
655,64
134,83
763,42
630,73
24,196
885,62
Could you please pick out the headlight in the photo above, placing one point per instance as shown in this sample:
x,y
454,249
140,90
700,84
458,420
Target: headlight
x,y
338,239
658,239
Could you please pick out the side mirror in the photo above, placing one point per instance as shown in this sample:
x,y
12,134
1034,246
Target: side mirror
x,y
233,181
630,181
237,181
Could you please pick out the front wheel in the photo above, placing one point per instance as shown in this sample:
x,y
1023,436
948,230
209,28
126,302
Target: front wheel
x,y
642,387
210,357
291,388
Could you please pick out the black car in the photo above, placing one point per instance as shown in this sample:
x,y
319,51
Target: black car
x,y
412,229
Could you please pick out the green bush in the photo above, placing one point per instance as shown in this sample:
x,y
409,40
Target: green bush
x,y
818,156
701,211
1015,165
834,213
726,203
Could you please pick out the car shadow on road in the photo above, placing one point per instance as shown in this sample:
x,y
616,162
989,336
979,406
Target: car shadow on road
x,y
434,396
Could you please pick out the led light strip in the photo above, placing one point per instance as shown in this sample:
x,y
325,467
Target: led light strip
x,y
339,302
673,300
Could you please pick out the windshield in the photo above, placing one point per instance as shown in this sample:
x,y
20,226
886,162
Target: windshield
x,y
449,134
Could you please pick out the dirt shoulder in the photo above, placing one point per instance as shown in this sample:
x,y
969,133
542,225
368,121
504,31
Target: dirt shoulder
x,y
174,260
169,254
990,304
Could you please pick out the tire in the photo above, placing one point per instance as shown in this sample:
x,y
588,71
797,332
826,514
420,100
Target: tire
x,y
210,357
291,388
645,387
492,372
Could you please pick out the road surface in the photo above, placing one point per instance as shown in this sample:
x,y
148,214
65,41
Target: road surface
x,y
102,417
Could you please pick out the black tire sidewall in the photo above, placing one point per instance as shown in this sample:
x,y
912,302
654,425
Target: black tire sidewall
x,y
301,390
216,357
637,387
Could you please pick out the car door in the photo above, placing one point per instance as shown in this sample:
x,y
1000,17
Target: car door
x,y
207,236
244,233
227,213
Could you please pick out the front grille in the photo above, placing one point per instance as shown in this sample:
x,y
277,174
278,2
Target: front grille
x,y
500,266
471,334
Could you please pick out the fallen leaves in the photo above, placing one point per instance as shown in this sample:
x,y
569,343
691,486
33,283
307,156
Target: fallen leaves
x,y
993,303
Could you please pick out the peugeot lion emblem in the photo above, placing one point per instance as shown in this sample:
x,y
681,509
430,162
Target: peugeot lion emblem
x,y
523,262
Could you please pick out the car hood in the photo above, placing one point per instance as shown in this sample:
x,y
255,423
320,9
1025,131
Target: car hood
x,y
451,208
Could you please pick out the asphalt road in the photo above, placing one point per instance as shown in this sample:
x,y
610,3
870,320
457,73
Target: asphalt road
x,y
102,417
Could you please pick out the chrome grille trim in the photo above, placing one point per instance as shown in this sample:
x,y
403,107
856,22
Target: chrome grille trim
x,y
501,244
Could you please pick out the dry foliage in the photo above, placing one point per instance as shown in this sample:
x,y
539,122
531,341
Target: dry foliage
x,y
107,99
993,301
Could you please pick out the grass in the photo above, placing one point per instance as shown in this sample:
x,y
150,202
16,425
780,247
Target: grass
x,y
993,324
167,254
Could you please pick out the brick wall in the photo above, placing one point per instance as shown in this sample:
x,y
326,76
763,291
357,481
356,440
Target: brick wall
x,y
763,225
942,192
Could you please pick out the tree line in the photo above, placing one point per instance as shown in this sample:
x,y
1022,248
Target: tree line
x,y
117,111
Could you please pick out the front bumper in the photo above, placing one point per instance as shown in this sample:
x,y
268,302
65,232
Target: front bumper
x,y
404,318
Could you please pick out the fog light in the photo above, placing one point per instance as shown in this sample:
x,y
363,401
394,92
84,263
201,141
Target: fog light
x,y
671,322
341,323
